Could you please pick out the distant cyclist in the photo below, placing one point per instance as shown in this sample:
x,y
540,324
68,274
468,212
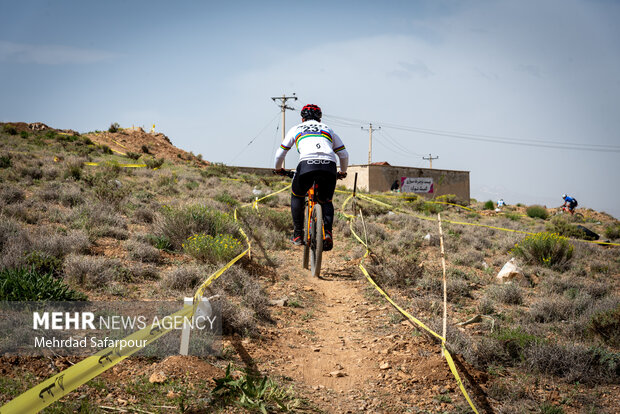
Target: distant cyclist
x,y
317,145
569,202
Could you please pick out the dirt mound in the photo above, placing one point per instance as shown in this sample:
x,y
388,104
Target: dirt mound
x,y
34,126
137,141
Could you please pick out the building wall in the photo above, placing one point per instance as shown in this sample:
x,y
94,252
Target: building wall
x,y
379,178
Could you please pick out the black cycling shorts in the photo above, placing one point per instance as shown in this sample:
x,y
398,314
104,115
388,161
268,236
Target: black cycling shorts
x,y
322,172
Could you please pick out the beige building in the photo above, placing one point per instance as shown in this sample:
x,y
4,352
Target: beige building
x,y
426,182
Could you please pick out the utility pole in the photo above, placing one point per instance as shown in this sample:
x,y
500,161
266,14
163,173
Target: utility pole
x,y
430,158
370,129
284,107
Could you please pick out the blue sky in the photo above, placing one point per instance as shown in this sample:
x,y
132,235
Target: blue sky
x,y
532,72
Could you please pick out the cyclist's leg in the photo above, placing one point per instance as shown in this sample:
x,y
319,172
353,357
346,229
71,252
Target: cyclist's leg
x,y
327,185
300,186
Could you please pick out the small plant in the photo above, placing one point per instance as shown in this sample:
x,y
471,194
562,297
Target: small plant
x,y
10,129
5,161
253,392
512,216
216,170
24,134
145,149
133,155
207,248
612,231
563,227
114,127
536,211
489,205
160,242
226,198
547,249
607,325
28,284
154,163
105,149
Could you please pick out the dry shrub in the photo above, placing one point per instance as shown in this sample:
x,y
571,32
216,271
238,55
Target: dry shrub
x,y
456,287
15,243
395,270
508,294
144,215
142,251
177,224
144,271
468,257
268,227
100,220
50,192
243,302
480,353
92,272
603,320
185,278
59,245
11,194
574,362
557,308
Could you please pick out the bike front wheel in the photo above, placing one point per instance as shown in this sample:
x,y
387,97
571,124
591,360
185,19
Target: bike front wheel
x,y
316,240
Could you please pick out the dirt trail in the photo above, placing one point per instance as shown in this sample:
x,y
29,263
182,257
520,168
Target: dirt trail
x,y
344,350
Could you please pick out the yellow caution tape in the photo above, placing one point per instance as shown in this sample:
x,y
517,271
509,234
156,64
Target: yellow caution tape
x,y
61,384
118,152
365,197
254,204
119,144
447,355
450,362
120,165
54,388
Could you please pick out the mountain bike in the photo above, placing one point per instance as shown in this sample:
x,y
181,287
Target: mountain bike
x,y
314,231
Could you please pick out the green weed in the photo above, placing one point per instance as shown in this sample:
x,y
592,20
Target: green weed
x,y
212,249
536,211
253,393
28,284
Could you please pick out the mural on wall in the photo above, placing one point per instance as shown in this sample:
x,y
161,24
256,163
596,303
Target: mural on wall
x,y
416,184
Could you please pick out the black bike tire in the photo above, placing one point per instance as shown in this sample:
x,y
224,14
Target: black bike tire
x,y
316,233
306,258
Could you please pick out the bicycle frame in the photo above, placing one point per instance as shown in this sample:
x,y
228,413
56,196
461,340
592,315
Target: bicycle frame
x,y
312,202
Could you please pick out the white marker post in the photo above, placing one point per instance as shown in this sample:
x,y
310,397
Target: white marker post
x,y
203,309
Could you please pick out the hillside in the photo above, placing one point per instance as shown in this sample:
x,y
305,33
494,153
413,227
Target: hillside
x,y
72,216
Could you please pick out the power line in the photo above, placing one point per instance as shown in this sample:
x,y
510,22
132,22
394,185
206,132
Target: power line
x,y
487,138
253,139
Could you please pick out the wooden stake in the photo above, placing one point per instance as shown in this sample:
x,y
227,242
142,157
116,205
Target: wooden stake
x,y
445,290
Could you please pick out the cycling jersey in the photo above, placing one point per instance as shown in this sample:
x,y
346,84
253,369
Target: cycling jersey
x,y
569,199
314,141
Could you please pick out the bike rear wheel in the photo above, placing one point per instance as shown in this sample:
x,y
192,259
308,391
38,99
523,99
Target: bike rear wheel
x,y
316,240
306,258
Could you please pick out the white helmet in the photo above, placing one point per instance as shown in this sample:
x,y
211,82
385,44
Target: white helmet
x,y
563,196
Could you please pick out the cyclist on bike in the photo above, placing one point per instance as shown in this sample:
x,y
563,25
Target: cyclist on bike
x,y
569,202
317,145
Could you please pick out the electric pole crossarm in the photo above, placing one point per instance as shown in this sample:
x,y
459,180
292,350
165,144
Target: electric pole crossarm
x,y
430,158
